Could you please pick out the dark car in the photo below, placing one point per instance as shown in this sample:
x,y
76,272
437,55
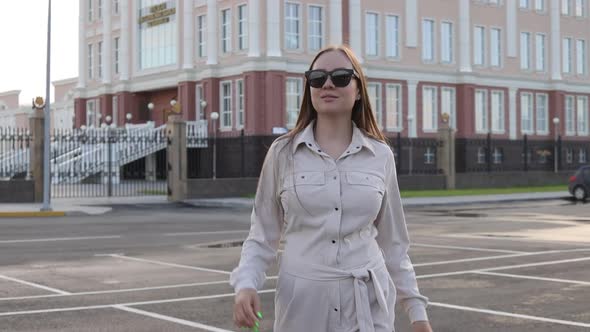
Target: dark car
x,y
580,183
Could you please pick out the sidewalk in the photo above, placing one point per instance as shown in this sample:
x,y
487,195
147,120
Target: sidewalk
x,y
101,205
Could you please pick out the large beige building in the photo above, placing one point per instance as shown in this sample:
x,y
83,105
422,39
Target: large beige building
x,y
505,67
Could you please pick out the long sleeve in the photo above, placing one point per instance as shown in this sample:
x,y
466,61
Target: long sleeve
x,y
260,248
394,241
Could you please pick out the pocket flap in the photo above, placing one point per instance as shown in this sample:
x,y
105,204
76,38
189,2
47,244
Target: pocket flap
x,y
310,178
367,179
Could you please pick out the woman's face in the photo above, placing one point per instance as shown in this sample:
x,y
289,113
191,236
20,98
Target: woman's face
x,y
330,99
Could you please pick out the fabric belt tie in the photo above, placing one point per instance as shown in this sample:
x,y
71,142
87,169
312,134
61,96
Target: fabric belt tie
x,y
297,268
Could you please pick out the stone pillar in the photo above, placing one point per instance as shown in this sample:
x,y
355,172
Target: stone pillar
x,y
212,32
335,29
254,28
355,28
464,37
445,158
176,158
273,28
150,167
187,100
36,126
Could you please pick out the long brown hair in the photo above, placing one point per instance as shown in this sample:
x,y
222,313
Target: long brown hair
x,y
362,113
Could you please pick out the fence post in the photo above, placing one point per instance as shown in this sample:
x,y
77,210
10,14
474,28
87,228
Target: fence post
x,y
446,153
243,154
109,163
526,153
489,152
36,125
398,162
176,155
559,153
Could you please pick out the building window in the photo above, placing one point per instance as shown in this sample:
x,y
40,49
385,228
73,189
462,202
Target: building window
x,y
316,28
99,9
581,57
99,59
580,8
240,100
446,42
582,156
570,116
394,107
481,111
429,109
569,155
115,111
524,4
496,47
291,26
497,110
90,11
116,62
481,155
92,110
525,53
447,99
90,61
226,113
202,27
540,52
157,38
226,30
429,155
526,113
497,156
542,113
374,91
116,7
293,101
372,34
392,35
540,5
199,98
567,55
243,27
582,120
479,48
428,40
565,7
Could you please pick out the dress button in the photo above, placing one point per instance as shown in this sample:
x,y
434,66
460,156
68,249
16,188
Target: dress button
x,y
335,309
333,241
335,177
336,209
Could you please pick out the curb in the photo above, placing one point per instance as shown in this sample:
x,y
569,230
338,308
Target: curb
x,y
501,200
32,214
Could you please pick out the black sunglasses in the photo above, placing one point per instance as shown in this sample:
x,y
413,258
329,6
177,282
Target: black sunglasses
x,y
340,77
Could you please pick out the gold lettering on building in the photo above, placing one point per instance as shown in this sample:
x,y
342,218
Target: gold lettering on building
x,y
159,15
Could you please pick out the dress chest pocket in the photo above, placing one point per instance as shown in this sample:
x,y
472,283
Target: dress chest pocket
x,y
364,193
302,191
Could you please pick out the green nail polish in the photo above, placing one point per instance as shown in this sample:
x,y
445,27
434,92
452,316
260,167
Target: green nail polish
x,y
259,314
257,324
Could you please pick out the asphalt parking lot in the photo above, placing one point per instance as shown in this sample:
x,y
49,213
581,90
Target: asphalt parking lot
x,y
492,267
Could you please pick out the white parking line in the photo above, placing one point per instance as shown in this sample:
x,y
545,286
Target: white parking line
x,y
62,239
466,248
506,267
501,256
521,276
221,282
205,233
170,319
171,264
20,281
131,304
508,314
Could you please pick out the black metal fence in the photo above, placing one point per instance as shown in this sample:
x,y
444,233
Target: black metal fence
x,y
15,146
498,155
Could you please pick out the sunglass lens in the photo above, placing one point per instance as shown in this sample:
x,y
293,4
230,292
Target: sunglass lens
x,y
341,78
317,79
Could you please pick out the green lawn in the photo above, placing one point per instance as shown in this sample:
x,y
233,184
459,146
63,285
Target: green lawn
x,y
485,191
469,192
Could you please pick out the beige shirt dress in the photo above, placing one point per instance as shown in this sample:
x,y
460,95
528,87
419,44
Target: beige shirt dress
x,y
345,259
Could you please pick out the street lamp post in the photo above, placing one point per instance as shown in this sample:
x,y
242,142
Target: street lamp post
x,y
555,147
214,117
410,159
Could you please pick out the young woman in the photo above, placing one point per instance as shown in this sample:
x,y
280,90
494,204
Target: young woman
x,y
329,188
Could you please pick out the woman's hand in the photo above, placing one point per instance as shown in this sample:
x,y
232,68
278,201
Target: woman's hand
x,y
421,326
246,307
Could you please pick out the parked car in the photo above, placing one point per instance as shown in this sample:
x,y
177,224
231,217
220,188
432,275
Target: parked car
x,y
579,184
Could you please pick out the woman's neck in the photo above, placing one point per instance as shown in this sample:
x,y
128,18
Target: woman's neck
x,y
333,134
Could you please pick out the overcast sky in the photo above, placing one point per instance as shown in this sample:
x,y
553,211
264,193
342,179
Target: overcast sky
x,y
23,45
